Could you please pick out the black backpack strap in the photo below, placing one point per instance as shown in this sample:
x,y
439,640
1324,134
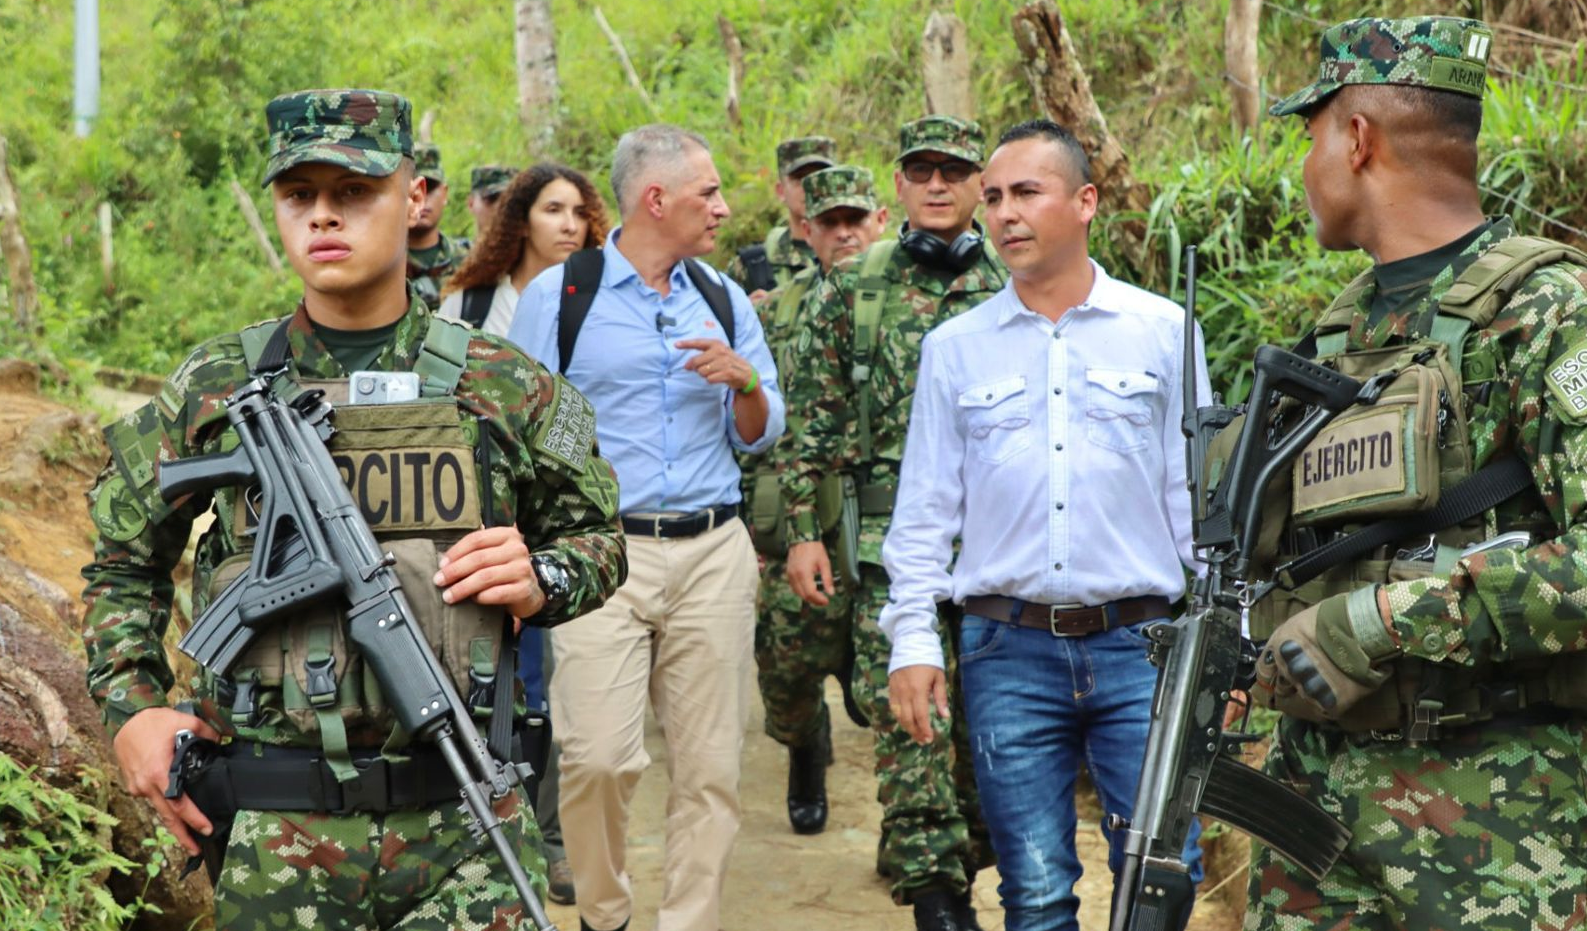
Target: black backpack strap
x,y
476,304
716,296
276,351
1488,487
758,275
581,278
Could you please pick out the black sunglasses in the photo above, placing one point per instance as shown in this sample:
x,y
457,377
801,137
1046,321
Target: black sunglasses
x,y
953,170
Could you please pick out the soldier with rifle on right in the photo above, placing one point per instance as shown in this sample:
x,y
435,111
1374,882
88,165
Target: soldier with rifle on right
x,y
1425,639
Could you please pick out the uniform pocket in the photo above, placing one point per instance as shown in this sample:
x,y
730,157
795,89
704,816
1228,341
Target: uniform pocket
x,y
1119,408
997,418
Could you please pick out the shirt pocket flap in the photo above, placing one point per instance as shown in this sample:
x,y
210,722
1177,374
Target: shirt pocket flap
x,y
1121,382
992,393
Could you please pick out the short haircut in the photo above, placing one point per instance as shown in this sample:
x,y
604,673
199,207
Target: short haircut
x,y
643,153
1077,165
1450,114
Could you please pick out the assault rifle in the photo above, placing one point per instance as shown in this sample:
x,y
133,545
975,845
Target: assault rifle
x,y
1191,765
314,546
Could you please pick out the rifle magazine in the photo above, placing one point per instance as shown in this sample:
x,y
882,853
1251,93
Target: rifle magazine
x,y
1274,814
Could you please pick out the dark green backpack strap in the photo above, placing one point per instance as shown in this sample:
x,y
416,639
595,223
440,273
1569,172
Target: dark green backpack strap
x,y
1484,288
442,356
870,296
1334,326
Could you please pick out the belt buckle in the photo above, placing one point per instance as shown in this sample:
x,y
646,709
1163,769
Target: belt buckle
x,y
370,790
1052,618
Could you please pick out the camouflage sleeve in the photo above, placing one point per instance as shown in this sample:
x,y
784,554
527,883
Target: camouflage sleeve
x,y
1508,605
818,393
140,541
568,505
734,269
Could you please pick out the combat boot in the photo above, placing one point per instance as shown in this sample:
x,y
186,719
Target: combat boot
x,y
807,783
966,908
937,909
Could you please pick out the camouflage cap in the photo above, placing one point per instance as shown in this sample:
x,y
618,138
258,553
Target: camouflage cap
x,y
427,162
946,134
366,131
794,154
487,180
1441,52
839,186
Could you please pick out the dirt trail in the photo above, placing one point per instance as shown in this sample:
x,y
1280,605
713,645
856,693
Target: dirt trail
x,y
780,881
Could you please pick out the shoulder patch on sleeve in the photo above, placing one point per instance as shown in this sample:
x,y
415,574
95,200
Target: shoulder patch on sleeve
x,y
116,511
567,430
1566,378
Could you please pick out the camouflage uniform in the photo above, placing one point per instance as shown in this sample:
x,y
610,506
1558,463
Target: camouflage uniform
x,y
785,252
932,833
429,268
797,645
341,870
1480,826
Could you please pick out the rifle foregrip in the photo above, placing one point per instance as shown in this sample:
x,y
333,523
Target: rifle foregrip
x,y
179,477
387,637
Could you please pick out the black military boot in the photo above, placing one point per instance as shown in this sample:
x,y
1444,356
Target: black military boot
x,y
807,783
967,912
938,909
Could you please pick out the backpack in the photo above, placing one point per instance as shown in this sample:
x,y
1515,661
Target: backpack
x,y
582,278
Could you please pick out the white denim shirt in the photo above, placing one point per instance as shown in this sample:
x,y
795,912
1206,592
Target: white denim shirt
x,y
1053,451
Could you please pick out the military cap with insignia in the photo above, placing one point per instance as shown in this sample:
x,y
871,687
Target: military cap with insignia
x,y
367,131
1441,52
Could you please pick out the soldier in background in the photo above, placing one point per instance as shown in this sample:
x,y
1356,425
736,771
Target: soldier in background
x,y
769,265
1433,703
432,255
310,838
859,351
486,184
797,644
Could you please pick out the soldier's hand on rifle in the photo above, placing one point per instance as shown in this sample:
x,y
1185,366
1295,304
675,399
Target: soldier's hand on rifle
x,y
492,567
912,691
144,747
1323,661
810,572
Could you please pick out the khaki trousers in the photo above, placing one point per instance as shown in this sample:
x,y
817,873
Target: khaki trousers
x,y
680,631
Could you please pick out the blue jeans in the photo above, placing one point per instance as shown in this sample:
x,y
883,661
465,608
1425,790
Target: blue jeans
x,y
1038,707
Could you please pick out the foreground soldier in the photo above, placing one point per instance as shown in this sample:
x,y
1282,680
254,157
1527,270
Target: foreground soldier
x,y
342,824
432,255
767,266
1433,703
797,644
861,350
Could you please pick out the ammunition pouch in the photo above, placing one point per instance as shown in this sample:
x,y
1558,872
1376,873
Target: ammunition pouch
x,y
768,520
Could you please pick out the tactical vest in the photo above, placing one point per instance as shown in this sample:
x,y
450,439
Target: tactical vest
x,y
763,494
1395,458
412,468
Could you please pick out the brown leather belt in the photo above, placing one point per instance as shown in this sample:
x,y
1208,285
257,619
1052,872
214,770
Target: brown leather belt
x,y
1068,620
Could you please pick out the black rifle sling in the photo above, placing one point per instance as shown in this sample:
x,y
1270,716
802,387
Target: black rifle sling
x,y
581,278
1488,487
276,351
476,304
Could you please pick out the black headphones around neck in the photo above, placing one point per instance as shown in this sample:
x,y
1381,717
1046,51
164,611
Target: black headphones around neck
x,y
930,249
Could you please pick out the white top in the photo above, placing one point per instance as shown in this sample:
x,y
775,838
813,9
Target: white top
x,y
1053,450
503,305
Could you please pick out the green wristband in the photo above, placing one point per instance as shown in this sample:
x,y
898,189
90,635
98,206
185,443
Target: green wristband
x,y
754,382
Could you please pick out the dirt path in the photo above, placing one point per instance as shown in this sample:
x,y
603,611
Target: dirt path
x,y
783,882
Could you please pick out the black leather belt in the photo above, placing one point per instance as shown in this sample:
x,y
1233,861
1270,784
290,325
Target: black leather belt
x,y
682,525
1069,620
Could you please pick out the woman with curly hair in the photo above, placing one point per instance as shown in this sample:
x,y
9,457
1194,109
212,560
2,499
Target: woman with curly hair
x,y
548,212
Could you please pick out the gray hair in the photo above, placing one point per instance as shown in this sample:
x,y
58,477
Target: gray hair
x,y
643,153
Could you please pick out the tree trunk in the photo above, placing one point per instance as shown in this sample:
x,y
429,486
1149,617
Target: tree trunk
x,y
426,126
945,57
735,68
19,259
536,50
107,247
250,213
1064,93
1240,62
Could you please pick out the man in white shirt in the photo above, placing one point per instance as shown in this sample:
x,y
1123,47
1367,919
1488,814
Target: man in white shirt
x,y
1045,435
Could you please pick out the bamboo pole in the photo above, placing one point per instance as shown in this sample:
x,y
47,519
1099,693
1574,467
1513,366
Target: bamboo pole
x,y
250,213
18,257
628,64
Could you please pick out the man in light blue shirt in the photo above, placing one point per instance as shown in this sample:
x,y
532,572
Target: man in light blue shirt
x,y
1044,434
673,359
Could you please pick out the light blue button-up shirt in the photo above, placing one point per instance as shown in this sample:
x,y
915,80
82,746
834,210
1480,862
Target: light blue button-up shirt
x,y
669,434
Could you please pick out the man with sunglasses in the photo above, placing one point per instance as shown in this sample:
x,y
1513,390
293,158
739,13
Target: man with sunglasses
x,y
767,266
859,349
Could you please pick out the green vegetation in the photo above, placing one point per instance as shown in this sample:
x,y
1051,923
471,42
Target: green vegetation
x,y
55,854
185,82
